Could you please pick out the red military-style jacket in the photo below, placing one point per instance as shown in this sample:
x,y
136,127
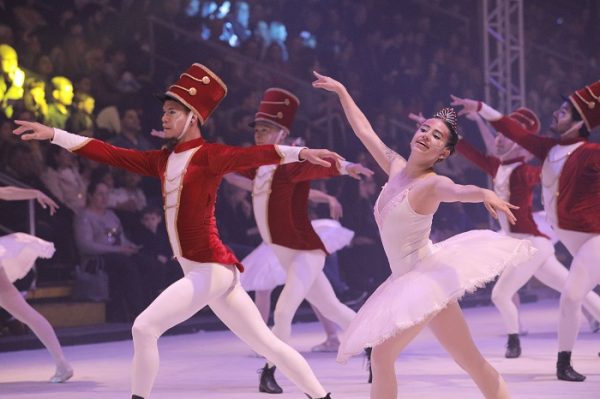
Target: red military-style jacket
x,y
280,201
578,196
190,175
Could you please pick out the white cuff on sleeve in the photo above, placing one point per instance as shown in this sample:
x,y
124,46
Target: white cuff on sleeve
x,y
488,113
344,167
68,140
289,153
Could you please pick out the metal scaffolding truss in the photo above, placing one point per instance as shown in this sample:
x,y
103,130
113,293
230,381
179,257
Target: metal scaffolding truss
x,y
504,58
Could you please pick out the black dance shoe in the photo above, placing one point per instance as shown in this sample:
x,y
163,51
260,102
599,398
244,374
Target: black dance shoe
x,y
267,381
513,346
564,370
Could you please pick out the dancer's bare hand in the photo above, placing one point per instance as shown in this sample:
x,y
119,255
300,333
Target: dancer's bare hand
x,y
46,202
493,204
357,170
467,104
336,211
33,131
327,83
320,157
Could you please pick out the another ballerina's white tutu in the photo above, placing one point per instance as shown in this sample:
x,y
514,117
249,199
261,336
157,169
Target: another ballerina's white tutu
x,y
262,268
425,276
19,251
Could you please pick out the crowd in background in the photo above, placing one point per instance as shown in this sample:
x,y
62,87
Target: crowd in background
x,y
93,67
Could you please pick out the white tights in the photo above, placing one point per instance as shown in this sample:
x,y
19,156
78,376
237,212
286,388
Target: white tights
x,y
306,280
15,304
217,286
584,275
451,330
546,268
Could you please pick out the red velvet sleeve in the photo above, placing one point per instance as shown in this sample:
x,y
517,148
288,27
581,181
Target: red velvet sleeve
x,y
145,163
538,145
487,163
224,159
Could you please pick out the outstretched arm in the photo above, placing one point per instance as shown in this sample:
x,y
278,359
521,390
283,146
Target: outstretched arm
x,y
447,191
387,159
335,208
535,144
141,162
15,193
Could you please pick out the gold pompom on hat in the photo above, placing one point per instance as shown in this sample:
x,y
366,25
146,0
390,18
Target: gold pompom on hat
x,y
278,107
199,89
587,102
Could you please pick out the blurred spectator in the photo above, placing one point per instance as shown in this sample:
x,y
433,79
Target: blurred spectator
x,y
152,237
81,120
130,135
236,28
63,180
34,98
12,79
127,199
59,109
100,238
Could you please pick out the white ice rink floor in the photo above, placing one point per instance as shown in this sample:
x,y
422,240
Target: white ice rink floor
x,y
217,365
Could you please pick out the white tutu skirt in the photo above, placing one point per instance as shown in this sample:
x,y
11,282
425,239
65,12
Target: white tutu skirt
x,y
262,268
19,251
452,268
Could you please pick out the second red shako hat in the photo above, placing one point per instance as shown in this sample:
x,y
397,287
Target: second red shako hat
x,y
526,118
587,102
277,107
199,89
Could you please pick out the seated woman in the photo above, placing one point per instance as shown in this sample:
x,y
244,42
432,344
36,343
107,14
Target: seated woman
x,y
99,237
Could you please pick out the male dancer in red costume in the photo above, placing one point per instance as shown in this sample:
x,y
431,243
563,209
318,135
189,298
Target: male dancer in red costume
x,y
280,202
514,181
571,193
190,175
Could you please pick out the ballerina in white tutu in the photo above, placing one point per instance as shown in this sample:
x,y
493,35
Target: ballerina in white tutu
x,y
427,280
18,253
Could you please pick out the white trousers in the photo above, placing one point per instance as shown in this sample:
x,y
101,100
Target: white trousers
x,y
217,286
306,280
584,275
546,268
